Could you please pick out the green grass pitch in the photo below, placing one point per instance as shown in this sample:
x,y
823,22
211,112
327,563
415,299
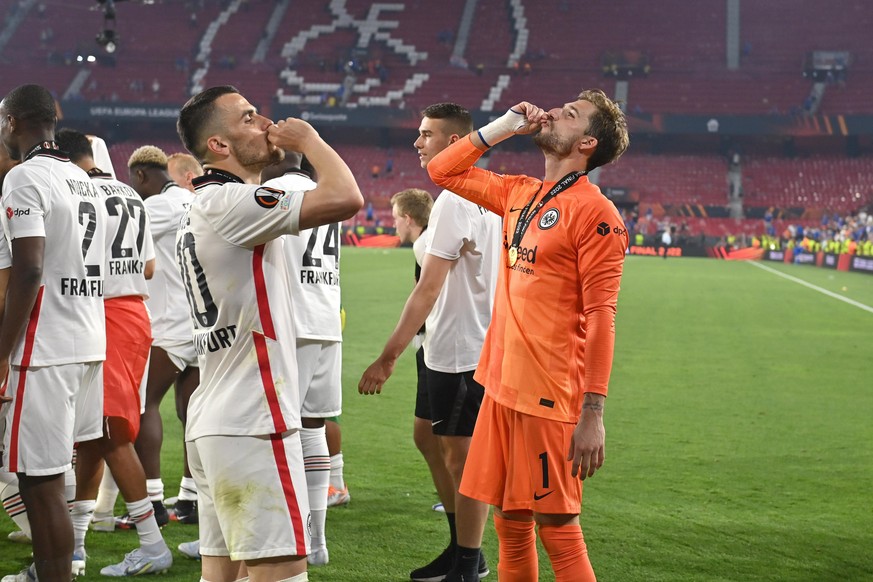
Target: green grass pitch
x,y
739,435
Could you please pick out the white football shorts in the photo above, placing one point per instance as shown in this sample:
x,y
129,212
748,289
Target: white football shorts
x,y
320,369
52,407
252,496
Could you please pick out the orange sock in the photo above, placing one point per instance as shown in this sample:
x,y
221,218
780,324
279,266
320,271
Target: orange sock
x,y
566,548
518,550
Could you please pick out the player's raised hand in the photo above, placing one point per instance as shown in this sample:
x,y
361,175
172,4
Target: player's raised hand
x,y
531,119
291,134
375,376
521,119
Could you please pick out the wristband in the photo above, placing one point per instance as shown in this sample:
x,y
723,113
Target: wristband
x,y
501,128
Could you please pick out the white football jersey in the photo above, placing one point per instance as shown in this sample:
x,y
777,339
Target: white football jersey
x,y
48,196
128,238
313,259
418,249
469,235
5,254
167,305
230,252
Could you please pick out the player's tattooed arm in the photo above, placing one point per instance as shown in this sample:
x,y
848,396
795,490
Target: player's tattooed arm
x,y
593,402
587,447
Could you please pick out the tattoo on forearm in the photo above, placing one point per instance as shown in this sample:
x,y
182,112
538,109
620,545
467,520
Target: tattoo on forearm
x,y
592,404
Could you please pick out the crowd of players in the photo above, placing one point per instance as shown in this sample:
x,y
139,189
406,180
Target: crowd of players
x,y
222,279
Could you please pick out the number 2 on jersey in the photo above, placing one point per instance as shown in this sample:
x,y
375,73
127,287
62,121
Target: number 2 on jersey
x,y
89,213
124,209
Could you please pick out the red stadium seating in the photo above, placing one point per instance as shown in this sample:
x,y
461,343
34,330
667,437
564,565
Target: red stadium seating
x,y
832,183
678,179
687,51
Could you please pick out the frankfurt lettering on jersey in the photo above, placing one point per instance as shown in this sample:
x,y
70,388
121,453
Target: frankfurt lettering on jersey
x,y
81,287
212,341
316,277
125,267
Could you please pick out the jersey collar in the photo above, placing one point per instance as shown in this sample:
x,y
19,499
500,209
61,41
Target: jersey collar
x,y
96,172
213,176
167,186
47,148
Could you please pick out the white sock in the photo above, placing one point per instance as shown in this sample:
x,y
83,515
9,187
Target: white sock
x,y
316,461
336,472
70,485
304,577
107,495
81,513
155,489
12,503
142,513
188,489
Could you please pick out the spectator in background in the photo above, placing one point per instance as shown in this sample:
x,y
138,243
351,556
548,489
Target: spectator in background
x,y
666,240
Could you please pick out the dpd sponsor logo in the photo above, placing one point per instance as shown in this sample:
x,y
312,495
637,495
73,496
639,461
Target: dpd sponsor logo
x,y
10,212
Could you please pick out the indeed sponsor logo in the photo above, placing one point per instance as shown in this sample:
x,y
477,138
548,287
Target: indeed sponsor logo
x,y
527,255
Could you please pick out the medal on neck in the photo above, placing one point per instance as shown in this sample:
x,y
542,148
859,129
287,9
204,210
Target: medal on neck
x,y
527,215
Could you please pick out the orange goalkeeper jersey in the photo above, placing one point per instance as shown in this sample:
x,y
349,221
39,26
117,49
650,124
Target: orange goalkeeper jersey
x,y
553,329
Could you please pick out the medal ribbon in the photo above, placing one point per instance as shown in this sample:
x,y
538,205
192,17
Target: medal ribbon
x,y
527,215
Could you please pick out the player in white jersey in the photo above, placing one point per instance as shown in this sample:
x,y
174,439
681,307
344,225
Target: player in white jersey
x,y
173,360
244,418
10,497
130,260
454,296
313,259
411,211
183,168
55,220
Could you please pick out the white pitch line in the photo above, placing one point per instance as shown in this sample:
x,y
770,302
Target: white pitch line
x,y
813,287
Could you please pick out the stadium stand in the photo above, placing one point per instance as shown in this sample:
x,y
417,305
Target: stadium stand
x,y
526,51
837,184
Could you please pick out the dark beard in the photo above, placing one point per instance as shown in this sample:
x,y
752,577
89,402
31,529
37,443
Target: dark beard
x,y
258,160
550,144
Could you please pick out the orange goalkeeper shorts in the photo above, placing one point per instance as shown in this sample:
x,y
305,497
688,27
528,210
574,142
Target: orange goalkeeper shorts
x,y
518,462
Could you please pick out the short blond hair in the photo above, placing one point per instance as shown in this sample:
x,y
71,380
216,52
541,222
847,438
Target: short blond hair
x,y
149,156
414,203
185,163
